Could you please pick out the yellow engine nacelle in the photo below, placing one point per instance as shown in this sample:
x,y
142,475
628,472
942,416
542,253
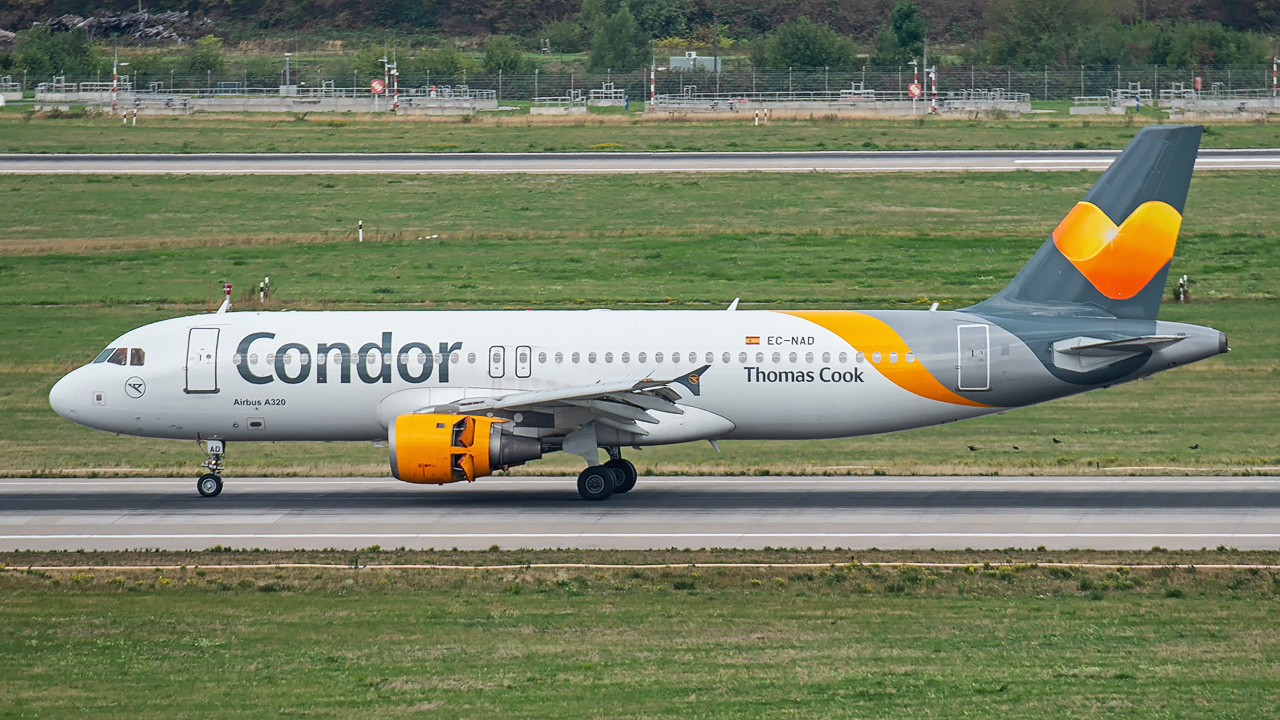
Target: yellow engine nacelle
x,y
438,449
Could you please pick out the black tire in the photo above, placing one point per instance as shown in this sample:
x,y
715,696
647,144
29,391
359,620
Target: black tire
x,y
626,473
596,483
209,485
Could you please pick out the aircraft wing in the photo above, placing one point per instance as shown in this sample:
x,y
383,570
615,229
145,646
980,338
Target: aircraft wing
x,y
622,404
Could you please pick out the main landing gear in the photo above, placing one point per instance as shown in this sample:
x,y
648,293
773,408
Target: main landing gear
x,y
615,476
210,484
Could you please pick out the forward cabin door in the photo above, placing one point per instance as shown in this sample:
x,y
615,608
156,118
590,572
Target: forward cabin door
x,y
202,360
974,345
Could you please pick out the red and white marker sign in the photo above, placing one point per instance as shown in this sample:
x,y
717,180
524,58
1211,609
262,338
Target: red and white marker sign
x,y
914,90
377,86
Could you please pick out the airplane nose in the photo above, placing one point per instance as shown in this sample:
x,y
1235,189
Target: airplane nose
x,y
62,397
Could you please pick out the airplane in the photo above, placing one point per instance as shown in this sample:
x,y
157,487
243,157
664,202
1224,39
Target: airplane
x,y
458,395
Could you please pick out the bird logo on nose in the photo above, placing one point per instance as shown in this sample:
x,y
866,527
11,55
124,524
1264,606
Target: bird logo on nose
x,y
134,387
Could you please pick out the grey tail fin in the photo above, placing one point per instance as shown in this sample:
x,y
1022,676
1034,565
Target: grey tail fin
x,y
1110,256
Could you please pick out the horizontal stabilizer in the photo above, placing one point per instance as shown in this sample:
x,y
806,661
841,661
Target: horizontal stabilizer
x,y
1085,354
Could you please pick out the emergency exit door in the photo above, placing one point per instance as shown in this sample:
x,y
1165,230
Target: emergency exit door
x,y
202,360
497,361
974,345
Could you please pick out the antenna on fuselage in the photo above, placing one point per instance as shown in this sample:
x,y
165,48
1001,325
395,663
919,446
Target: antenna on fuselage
x,y
226,298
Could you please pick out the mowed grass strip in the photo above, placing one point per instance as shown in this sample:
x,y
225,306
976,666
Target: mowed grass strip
x,y
515,132
844,641
567,241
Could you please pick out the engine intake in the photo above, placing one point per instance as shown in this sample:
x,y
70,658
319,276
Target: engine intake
x,y
439,449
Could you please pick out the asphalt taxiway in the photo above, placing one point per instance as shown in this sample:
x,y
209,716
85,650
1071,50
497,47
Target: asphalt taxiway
x,y
695,512
604,163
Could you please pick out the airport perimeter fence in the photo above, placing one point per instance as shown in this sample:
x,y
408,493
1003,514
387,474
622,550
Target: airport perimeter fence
x,y
1041,83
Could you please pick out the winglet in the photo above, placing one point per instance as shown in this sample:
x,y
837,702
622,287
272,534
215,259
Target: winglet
x,y
693,380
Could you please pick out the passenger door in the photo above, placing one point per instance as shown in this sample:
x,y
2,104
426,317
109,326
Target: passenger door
x,y
202,360
974,346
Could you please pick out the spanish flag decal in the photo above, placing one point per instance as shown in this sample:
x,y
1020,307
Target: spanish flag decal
x,y
753,339
1120,260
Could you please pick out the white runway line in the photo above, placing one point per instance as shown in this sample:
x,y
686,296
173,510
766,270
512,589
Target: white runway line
x,y
641,536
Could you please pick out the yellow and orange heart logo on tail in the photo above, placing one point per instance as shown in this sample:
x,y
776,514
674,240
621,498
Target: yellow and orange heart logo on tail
x,y
1119,260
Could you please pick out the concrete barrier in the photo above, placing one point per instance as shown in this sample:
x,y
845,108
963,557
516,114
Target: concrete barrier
x,y
559,110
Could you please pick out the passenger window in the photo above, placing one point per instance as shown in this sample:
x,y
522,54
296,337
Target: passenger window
x,y
860,357
657,357
542,358
844,357
471,358
759,357
725,358
875,357
826,357
137,356
626,357
102,356
893,357
808,357
792,357
591,357
777,357
118,357
608,357
575,357
911,357
641,357
559,357
742,357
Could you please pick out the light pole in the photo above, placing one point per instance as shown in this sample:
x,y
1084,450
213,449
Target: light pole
x,y
286,69
115,79
395,92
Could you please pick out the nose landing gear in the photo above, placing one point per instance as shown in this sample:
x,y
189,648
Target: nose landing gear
x,y
210,484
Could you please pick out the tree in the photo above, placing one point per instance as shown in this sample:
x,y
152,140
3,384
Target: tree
x,y
805,44
656,18
619,43
500,53
564,36
42,53
202,58
1034,32
902,39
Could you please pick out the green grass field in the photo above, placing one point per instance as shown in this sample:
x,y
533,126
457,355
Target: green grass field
x,y
86,258
849,639
514,131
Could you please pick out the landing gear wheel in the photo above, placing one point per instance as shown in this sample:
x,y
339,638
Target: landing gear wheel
x,y
626,473
596,482
209,485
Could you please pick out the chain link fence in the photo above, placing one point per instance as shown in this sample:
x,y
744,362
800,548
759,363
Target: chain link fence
x,y
1041,83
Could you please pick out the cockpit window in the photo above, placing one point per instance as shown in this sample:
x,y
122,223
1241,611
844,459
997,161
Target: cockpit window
x,y
137,356
102,357
118,357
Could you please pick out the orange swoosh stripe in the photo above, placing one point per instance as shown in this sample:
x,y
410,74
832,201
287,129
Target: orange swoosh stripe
x,y
1119,260
869,334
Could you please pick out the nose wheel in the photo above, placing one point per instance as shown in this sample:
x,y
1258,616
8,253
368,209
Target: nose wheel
x,y
210,484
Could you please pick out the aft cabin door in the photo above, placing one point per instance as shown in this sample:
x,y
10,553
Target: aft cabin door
x,y
202,360
974,343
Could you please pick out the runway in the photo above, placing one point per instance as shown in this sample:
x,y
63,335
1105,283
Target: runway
x,y
604,163
883,512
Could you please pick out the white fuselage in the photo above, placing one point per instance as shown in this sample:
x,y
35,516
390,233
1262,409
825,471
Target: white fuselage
x,y
246,376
